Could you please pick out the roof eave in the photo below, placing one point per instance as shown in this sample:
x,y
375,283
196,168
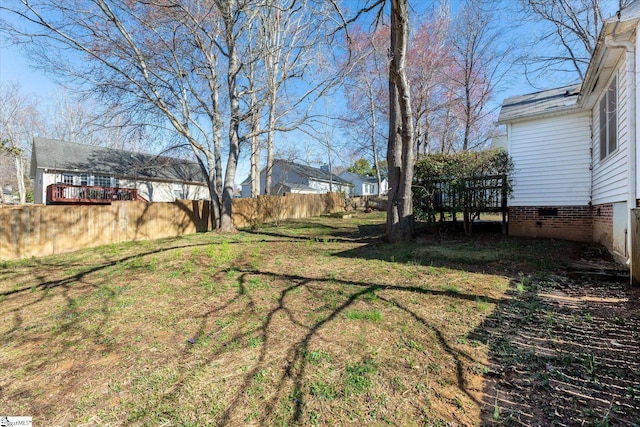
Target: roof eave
x,y
543,115
601,52
592,69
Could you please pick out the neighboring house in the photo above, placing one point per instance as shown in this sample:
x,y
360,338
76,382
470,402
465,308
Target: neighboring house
x,y
575,148
65,172
289,177
364,185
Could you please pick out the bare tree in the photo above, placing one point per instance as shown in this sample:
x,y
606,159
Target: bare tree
x,y
364,87
429,58
569,34
255,110
400,149
401,143
480,65
84,121
297,50
19,123
168,59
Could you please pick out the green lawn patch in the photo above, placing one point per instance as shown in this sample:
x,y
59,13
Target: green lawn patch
x,y
314,322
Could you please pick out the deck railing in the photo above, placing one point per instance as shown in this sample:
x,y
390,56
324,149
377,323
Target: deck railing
x,y
85,194
472,195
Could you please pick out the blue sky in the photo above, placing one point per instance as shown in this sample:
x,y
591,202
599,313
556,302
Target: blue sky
x,y
14,67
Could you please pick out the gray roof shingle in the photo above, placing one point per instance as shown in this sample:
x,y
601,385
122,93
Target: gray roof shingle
x,y
311,172
305,171
71,157
562,99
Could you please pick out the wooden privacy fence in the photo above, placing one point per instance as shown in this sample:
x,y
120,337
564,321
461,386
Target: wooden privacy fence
x,y
37,230
250,212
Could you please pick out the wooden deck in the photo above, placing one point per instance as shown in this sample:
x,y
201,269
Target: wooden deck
x,y
88,195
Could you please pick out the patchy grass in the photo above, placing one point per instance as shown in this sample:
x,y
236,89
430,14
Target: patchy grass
x,y
315,322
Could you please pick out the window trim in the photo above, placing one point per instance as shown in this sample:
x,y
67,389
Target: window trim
x,y
67,178
179,191
608,107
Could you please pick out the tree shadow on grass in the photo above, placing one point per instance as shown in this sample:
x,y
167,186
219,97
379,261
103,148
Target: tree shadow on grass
x,y
366,234
282,332
562,351
291,381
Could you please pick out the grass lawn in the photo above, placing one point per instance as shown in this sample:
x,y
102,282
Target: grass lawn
x,y
316,322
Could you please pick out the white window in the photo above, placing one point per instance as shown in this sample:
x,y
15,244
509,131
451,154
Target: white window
x,y
178,191
67,178
368,189
609,120
102,181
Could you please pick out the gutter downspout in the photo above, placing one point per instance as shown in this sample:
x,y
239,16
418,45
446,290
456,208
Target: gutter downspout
x,y
631,119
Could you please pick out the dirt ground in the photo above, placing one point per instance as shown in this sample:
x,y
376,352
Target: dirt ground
x,y
566,350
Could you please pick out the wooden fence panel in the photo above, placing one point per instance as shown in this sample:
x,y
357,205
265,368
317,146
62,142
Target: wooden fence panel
x,y
37,230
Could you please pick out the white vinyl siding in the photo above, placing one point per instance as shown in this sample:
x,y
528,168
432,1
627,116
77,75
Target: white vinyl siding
x,y
610,173
323,187
552,159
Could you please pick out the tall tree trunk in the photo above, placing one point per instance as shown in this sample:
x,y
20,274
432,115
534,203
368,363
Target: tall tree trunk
x,y
272,66
207,171
255,147
226,219
400,150
19,164
270,138
376,161
468,109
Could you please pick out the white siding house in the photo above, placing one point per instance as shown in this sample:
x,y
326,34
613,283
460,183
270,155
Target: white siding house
x,y
290,177
78,173
575,148
552,161
364,185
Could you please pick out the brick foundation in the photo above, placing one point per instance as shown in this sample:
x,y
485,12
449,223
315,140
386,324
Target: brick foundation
x,y
558,222
603,224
